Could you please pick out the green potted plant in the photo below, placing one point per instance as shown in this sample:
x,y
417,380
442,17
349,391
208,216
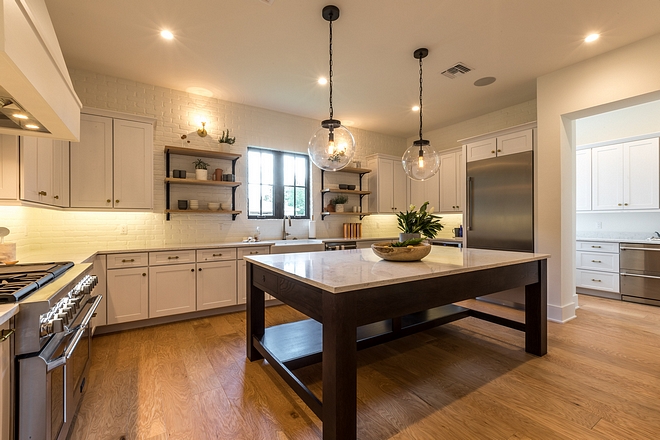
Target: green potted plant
x,y
414,224
338,202
201,170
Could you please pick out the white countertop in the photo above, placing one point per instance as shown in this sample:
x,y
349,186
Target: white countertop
x,y
620,240
343,271
7,311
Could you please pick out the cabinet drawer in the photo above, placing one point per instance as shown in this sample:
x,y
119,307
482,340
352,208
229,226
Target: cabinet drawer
x,y
597,246
171,257
216,254
253,250
266,280
597,261
597,280
136,259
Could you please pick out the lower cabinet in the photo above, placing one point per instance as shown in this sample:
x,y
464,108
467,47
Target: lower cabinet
x,y
597,266
5,383
171,290
216,284
242,286
128,294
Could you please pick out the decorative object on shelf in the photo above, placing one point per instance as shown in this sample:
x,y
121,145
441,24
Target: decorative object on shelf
x,y
225,139
194,204
406,251
179,174
214,206
217,175
201,171
184,138
183,205
202,131
350,187
420,222
420,161
338,202
332,147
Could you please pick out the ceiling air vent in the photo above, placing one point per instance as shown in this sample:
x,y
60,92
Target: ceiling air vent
x,y
457,70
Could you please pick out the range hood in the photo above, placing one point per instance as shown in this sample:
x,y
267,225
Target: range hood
x,y
36,93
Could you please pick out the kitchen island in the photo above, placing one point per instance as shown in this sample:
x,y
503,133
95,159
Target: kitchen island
x,y
356,300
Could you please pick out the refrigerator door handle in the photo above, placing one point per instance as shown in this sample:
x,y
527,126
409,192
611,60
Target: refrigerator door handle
x,y
468,216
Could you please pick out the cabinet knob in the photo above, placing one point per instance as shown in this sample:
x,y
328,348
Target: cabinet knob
x,y
108,201
56,197
200,269
493,152
43,193
625,204
618,204
499,151
144,274
192,270
117,201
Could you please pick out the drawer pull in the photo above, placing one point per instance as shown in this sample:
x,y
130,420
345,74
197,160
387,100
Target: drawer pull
x,y
43,193
596,261
255,252
598,281
5,334
263,278
128,261
217,255
596,247
173,258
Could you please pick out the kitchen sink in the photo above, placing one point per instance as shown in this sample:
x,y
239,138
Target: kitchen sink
x,y
299,245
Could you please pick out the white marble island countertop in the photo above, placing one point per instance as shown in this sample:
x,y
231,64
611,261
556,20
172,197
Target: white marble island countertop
x,y
344,271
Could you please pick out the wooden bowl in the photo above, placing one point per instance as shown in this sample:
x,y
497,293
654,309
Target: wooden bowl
x,y
410,253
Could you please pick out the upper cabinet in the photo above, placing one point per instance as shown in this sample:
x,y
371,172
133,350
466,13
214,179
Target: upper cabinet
x,y
452,181
112,165
509,143
583,180
387,183
8,167
44,171
625,176
428,190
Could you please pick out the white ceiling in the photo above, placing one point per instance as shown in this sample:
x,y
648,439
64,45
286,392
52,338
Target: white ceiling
x,y
270,56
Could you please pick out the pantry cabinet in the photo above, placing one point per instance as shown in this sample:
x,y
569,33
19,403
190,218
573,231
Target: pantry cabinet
x,y
112,165
387,183
44,171
626,176
8,167
452,181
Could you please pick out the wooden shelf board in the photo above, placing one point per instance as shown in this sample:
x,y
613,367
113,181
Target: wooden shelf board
x,y
345,191
351,170
345,213
199,211
204,153
201,182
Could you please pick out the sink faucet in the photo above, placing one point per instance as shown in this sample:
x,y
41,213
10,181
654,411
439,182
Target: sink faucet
x,y
284,233
657,234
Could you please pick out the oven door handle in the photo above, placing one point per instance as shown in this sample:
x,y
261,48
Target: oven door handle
x,y
61,360
91,311
623,274
629,248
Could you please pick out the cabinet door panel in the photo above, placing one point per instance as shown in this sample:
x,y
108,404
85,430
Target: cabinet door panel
x,y
448,180
241,282
133,164
171,290
607,178
481,149
583,180
514,142
91,164
399,191
128,295
37,169
641,174
216,284
61,173
8,167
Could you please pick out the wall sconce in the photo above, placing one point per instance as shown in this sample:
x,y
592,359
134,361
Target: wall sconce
x,y
202,131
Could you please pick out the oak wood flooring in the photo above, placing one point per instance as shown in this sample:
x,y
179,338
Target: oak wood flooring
x,y
466,380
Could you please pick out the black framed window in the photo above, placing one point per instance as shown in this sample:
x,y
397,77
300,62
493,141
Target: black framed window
x,y
278,184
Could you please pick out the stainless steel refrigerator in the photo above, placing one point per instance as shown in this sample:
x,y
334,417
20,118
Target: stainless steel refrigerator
x,y
500,211
500,203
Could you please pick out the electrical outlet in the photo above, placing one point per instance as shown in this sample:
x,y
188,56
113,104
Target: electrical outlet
x,y
123,229
599,225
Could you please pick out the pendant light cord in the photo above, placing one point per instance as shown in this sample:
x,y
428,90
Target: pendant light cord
x,y
331,110
420,100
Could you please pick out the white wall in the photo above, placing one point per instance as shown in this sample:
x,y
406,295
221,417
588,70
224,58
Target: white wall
x,y
624,123
634,225
594,86
177,113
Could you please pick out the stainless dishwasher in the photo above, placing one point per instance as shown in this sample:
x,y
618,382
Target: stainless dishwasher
x,y
639,272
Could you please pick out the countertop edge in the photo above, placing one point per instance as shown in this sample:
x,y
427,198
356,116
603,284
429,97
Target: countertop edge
x,y
7,311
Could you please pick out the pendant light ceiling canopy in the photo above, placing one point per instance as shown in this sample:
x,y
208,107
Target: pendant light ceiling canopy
x,y
332,147
420,161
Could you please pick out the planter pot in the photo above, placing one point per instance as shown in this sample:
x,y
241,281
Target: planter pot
x,y
330,208
403,236
339,207
202,174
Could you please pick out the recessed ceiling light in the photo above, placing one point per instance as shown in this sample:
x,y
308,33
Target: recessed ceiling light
x,y
19,116
32,126
166,34
485,81
591,38
323,81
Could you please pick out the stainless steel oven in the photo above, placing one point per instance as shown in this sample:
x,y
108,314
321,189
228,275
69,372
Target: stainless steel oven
x,y
639,273
52,352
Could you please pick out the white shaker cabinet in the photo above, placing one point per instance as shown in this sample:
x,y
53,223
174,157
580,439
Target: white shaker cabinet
x,y
583,180
242,265
387,183
171,290
112,165
452,181
8,167
509,143
44,171
423,191
626,176
216,284
128,294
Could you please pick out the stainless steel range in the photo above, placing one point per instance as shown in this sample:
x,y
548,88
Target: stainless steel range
x,y
52,343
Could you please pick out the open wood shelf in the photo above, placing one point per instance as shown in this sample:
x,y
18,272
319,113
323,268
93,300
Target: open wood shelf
x,y
345,191
361,214
352,170
205,153
201,182
199,211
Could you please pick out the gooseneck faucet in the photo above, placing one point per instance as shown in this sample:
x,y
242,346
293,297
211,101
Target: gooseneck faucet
x,y
284,233
657,234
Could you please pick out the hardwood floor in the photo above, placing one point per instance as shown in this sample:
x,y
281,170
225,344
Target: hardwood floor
x,y
465,380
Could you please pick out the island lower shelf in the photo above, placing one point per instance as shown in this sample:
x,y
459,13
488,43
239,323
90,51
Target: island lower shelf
x,y
298,344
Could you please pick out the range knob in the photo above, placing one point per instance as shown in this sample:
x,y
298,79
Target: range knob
x,y
57,326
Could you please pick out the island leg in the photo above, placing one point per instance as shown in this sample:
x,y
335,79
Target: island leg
x,y
255,314
339,367
536,313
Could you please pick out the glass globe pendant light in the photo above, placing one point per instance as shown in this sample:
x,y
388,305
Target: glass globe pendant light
x,y
420,161
332,147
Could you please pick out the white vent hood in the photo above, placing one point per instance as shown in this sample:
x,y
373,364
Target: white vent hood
x,y
33,75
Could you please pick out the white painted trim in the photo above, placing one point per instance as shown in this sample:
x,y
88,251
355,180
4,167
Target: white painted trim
x,y
561,314
619,141
118,115
508,130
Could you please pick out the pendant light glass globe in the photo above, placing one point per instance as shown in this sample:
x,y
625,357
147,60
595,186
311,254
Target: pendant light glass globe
x,y
420,161
332,147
